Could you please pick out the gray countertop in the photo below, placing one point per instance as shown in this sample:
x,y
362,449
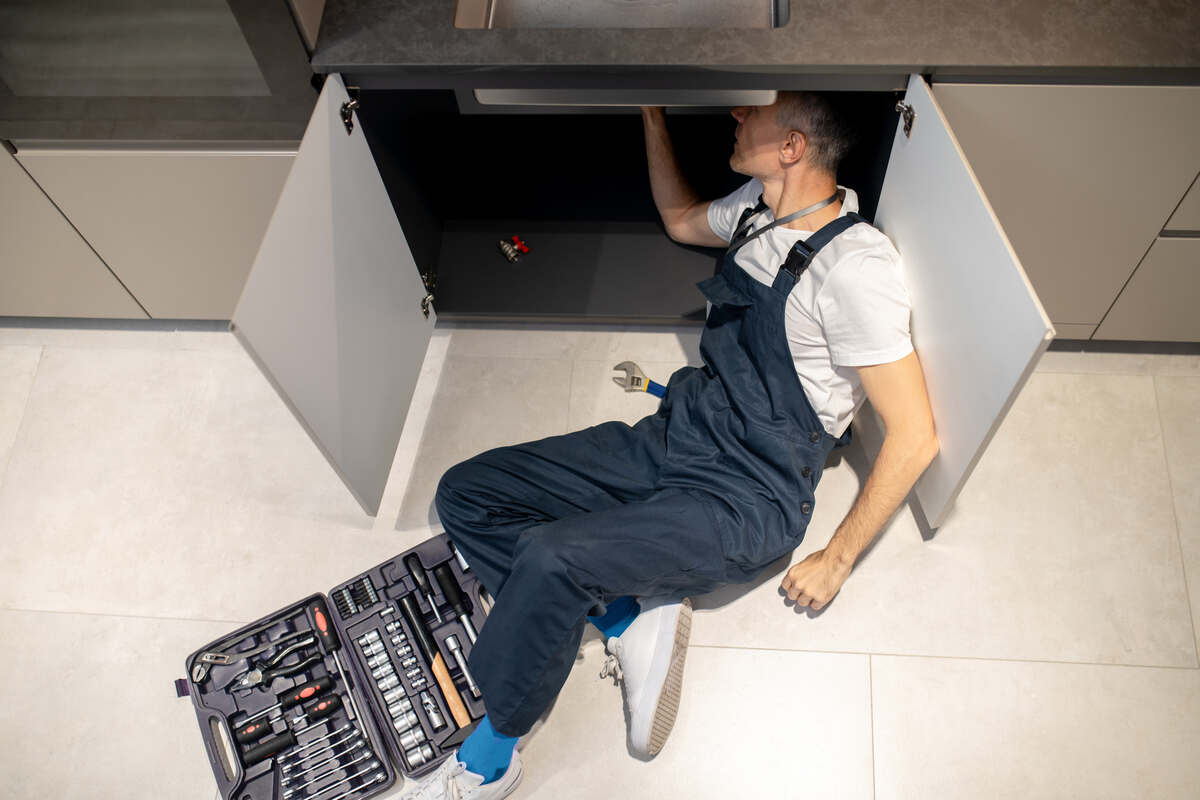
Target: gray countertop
x,y
996,37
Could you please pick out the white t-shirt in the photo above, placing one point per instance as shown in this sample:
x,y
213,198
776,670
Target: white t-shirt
x,y
849,309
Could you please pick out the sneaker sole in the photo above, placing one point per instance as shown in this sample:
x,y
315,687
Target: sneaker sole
x,y
668,699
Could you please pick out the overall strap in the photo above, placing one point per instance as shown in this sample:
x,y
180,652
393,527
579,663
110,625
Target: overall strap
x,y
740,229
802,253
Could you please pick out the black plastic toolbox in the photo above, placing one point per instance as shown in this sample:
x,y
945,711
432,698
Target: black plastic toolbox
x,y
348,690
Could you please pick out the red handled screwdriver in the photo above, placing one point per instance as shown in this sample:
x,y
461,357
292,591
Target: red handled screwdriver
x,y
254,729
318,615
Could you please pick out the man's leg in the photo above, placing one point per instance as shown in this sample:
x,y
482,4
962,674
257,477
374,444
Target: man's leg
x,y
487,502
662,546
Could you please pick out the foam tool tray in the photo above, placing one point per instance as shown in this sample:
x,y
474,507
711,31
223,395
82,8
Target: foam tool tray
x,y
331,697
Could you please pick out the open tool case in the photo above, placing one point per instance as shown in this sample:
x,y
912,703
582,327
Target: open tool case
x,y
329,697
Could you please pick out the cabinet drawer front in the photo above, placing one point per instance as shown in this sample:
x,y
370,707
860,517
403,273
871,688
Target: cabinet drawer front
x,y
179,227
46,269
1161,302
1187,216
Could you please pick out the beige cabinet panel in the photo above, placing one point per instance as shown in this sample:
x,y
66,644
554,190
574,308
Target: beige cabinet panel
x,y
1066,331
1187,216
1162,301
180,228
46,269
1081,177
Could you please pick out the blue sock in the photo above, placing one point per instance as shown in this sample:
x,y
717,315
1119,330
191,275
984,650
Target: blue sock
x,y
486,752
617,617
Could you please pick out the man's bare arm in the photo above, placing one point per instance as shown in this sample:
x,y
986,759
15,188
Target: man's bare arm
x,y
684,214
897,392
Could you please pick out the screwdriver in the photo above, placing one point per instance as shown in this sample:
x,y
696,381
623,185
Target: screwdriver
x,y
445,579
413,562
316,708
297,695
318,615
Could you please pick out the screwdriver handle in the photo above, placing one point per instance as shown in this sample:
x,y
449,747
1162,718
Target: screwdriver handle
x,y
413,562
269,747
296,695
318,617
450,588
322,707
249,732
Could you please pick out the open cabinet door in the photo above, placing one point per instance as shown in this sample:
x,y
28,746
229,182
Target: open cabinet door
x,y
331,311
977,325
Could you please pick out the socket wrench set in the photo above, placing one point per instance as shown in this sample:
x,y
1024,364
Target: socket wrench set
x,y
306,703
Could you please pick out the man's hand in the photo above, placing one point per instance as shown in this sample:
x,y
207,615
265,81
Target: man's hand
x,y
815,580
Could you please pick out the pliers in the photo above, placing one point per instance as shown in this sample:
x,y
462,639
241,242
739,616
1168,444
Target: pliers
x,y
636,381
269,670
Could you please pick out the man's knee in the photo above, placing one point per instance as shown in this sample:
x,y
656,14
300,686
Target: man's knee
x,y
454,498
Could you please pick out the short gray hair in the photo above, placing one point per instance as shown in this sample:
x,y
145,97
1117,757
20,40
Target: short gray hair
x,y
828,136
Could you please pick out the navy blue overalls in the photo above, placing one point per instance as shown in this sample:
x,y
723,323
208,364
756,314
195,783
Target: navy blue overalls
x,y
709,490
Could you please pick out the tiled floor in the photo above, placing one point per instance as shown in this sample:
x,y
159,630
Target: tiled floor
x,y
155,493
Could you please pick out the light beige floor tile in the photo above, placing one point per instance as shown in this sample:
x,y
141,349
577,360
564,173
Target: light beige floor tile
x,y
1061,547
1179,409
952,728
1119,363
136,334
751,724
170,483
595,398
404,465
481,403
599,342
18,364
90,709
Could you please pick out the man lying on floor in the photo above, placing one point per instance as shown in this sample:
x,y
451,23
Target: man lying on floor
x,y
618,525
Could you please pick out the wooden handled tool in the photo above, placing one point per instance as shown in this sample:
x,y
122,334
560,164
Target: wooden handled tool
x,y
412,613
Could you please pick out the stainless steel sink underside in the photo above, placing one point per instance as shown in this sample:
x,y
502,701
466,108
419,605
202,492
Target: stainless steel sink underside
x,y
621,13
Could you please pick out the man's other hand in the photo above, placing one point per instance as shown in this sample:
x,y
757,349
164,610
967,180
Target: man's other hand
x,y
815,580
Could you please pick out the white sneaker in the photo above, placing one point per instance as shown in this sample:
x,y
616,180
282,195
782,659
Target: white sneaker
x,y
452,781
648,660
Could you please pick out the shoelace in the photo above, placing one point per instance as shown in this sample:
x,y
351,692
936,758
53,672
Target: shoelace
x,y
612,666
447,788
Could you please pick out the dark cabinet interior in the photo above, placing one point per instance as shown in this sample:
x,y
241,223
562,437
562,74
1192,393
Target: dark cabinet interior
x,y
575,188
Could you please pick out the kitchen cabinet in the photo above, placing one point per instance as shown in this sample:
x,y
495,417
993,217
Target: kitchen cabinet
x,y
1187,216
46,268
1160,302
335,313
1082,177
179,227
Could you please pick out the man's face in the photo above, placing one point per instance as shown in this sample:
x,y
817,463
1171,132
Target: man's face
x,y
758,140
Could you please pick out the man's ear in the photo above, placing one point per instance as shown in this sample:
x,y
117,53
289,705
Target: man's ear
x,y
792,149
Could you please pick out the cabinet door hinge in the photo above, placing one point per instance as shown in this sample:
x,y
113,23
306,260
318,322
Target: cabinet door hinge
x,y
906,111
430,281
349,107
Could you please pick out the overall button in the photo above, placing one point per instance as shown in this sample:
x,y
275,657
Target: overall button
x,y
814,437
806,508
806,472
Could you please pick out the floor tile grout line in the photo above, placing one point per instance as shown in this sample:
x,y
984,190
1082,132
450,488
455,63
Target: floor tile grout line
x,y
1175,515
943,657
871,710
21,420
124,616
